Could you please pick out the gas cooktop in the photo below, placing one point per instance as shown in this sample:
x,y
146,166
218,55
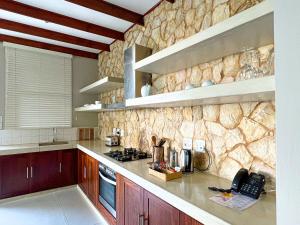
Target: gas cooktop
x,y
128,154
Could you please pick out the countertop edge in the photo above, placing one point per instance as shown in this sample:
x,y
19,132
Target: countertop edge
x,y
179,203
35,148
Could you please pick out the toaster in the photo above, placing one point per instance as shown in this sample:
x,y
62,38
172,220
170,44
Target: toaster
x,y
112,140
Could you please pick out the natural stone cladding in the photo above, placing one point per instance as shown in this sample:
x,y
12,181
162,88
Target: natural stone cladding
x,y
237,135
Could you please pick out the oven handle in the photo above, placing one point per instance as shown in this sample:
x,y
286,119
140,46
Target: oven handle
x,y
107,180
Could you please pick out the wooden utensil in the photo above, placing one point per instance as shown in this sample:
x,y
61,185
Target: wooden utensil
x,y
153,138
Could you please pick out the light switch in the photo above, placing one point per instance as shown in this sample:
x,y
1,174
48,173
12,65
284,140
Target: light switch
x,y
187,143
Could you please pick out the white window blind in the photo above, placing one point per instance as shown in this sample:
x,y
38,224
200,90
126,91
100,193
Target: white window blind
x,y
38,89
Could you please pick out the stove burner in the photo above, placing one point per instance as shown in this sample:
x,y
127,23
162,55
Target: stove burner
x,y
129,154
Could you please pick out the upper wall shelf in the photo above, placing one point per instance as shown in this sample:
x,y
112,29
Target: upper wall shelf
x,y
260,89
103,85
101,108
251,28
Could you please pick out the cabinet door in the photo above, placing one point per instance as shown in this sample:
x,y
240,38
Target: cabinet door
x,y
187,220
92,174
14,175
44,171
82,171
67,167
158,212
129,202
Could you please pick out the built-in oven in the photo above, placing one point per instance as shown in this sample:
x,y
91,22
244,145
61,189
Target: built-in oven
x,y
107,188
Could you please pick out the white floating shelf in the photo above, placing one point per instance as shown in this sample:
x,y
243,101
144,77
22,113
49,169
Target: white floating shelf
x,y
260,89
251,28
101,108
103,85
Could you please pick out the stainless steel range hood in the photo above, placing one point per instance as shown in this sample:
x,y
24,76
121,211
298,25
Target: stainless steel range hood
x,y
134,80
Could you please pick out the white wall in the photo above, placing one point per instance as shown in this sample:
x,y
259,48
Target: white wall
x,y
2,84
84,72
287,56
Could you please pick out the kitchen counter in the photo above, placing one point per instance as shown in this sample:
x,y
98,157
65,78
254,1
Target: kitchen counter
x,y
30,148
189,194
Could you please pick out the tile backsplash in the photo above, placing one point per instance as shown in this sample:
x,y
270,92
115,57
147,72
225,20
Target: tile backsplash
x,y
32,136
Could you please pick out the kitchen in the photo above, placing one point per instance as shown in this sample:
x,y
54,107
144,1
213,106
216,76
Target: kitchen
x,y
148,112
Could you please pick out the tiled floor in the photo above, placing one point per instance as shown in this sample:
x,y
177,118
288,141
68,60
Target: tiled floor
x,y
62,207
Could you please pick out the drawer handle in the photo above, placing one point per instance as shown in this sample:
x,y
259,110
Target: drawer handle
x,y
27,172
141,219
60,167
31,172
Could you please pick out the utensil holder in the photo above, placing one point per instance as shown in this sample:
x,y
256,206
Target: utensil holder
x,y
158,154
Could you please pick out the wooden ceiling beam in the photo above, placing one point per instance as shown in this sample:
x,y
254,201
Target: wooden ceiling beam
x,y
111,9
27,10
23,28
51,47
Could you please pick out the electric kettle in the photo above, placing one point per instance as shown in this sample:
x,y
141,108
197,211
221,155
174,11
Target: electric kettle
x,y
186,160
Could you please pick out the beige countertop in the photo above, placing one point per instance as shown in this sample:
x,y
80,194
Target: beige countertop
x,y
190,193
30,148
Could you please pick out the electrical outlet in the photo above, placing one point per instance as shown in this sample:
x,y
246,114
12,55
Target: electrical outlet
x,y
122,133
187,143
200,145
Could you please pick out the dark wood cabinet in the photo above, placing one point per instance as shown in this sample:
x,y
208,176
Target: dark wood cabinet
x,y
88,175
187,220
67,163
129,202
92,178
44,171
14,175
26,173
158,212
82,172
136,206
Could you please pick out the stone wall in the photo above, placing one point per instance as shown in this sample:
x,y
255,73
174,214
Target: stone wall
x,y
236,135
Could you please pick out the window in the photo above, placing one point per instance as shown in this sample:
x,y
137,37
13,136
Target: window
x,y
38,89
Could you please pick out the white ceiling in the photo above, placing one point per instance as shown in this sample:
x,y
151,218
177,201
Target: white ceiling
x,y
78,12
139,6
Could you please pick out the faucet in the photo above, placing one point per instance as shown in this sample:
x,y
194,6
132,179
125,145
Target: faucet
x,y
54,134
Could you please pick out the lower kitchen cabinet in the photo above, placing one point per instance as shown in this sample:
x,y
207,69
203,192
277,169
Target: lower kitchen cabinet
x,y
14,175
67,160
130,199
44,171
88,176
25,173
158,212
136,206
93,177
187,220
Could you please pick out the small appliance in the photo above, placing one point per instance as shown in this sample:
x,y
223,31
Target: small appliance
x,y
186,160
112,140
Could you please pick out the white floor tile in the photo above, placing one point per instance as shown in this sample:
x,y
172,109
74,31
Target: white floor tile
x,y
63,207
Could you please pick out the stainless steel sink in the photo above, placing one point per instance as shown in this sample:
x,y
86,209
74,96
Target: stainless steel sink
x,y
54,143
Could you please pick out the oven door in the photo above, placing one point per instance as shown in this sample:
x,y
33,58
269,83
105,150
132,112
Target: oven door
x,y
107,192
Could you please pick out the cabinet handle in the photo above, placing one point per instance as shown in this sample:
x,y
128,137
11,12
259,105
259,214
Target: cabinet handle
x,y
84,172
27,172
31,172
141,219
60,167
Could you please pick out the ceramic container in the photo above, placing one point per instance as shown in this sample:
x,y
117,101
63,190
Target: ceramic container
x,y
146,90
